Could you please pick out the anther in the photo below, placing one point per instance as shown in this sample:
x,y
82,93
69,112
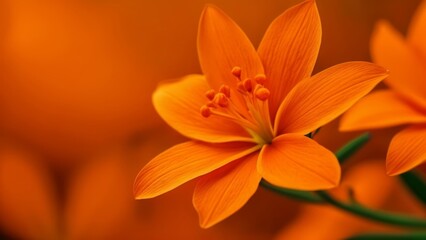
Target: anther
x,y
236,71
248,85
241,88
221,100
260,78
225,89
205,111
257,86
211,104
210,94
262,94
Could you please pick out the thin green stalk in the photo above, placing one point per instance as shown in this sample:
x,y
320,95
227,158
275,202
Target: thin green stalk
x,y
416,184
380,216
389,236
353,207
300,195
352,147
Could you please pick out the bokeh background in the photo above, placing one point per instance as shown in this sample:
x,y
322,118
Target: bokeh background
x,y
77,123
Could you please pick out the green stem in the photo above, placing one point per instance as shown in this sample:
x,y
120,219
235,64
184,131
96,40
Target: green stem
x,y
390,236
416,184
300,195
352,147
384,217
353,207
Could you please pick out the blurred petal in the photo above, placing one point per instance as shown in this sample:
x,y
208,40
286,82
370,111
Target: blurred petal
x,y
320,99
28,203
72,81
408,73
179,105
99,198
289,50
222,45
372,187
406,150
298,162
223,192
380,109
185,162
417,30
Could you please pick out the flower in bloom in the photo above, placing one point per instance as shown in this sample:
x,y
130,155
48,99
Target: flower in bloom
x,y
405,100
249,113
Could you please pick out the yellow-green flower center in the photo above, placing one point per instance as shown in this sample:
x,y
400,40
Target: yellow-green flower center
x,y
248,108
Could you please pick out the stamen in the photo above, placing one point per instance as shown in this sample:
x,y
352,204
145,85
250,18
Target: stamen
x,y
210,94
205,111
249,109
248,85
241,88
221,100
258,86
225,89
260,78
211,104
262,94
236,71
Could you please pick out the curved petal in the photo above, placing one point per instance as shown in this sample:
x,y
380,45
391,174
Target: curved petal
x,y
416,32
298,162
185,162
179,105
380,109
223,192
388,48
222,45
289,50
320,99
406,150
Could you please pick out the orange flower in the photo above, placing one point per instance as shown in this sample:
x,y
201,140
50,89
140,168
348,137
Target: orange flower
x,y
256,108
405,101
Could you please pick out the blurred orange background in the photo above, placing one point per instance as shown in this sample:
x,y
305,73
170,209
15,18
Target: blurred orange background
x,y
77,123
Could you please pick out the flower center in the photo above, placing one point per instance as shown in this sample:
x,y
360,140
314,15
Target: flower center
x,y
252,113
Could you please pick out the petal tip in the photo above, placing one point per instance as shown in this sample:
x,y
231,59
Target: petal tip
x,y
204,221
141,190
206,224
139,194
334,182
209,9
310,4
392,170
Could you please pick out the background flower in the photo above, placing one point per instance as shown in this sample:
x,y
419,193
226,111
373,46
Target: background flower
x,y
405,101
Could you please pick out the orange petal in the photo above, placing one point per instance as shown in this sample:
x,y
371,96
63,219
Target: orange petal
x,y
380,109
289,50
222,45
185,162
298,162
417,32
388,48
406,150
320,99
223,192
179,105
